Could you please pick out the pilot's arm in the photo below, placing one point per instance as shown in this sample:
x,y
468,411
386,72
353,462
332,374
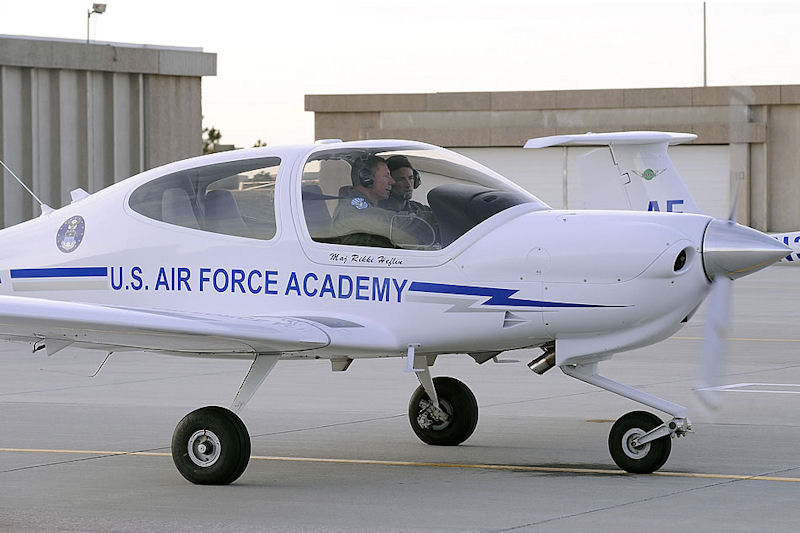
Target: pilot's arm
x,y
359,223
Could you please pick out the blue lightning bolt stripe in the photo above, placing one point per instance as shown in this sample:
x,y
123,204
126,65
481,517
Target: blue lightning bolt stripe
x,y
59,272
500,297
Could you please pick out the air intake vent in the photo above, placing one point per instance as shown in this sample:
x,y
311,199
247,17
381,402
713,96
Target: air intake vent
x,y
511,320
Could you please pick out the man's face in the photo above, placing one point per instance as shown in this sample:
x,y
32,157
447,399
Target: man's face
x,y
403,183
383,182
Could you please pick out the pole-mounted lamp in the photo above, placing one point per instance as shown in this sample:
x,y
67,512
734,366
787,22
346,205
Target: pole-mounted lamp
x,y
96,8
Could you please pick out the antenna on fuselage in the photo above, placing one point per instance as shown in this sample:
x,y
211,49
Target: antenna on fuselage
x,y
44,207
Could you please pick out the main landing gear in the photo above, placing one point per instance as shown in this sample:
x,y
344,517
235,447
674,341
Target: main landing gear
x,y
449,424
211,446
442,411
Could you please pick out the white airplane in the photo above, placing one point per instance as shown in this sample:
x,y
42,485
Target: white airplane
x,y
243,254
636,173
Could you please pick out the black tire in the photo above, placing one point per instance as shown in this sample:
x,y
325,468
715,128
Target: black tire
x,y
644,459
211,446
458,403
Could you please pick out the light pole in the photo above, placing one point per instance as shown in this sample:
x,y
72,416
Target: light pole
x,y
705,76
96,8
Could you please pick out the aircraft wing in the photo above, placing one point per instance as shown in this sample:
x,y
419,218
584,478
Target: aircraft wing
x,y
58,324
634,172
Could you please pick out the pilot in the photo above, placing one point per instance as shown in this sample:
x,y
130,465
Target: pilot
x,y
357,219
406,179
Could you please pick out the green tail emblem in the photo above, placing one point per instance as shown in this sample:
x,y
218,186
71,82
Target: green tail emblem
x,y
649,173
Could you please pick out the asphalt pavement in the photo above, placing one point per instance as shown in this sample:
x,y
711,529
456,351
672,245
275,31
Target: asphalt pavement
x,y
335,452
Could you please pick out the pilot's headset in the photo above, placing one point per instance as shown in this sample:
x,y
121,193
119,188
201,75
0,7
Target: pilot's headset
x,y
361,172
400,161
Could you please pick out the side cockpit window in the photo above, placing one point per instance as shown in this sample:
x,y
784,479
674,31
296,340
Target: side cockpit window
x,y
412,198
232,198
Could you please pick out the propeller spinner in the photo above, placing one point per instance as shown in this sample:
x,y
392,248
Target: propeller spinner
x,y
730,251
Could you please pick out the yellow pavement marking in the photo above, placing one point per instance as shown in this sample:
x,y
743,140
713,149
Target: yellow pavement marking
x,y
378,462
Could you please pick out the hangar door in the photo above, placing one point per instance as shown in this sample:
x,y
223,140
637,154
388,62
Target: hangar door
x,y
552,173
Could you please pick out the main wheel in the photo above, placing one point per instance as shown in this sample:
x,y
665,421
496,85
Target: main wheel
x,y
211,446
454,423
643,459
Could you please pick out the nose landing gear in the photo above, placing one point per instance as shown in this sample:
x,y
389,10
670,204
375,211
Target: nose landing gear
x,y
626,450
639,442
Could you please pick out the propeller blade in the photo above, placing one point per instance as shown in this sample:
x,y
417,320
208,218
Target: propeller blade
x,y
715,345
735,206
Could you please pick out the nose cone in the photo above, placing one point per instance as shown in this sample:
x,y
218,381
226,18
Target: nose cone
x,y
734,251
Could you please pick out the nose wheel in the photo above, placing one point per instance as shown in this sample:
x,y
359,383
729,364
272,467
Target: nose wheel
x,y
211,446
626,449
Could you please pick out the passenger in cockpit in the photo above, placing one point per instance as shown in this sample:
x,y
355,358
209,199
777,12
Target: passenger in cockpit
x,y
359,220
406,179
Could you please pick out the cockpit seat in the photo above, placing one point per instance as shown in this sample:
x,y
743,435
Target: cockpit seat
x,y
176,208
222,213
318,218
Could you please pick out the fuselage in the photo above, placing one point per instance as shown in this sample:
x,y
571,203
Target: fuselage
x,y
792,240
525,276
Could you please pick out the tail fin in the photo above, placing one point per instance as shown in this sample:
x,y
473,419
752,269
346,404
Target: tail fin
x,y
634,173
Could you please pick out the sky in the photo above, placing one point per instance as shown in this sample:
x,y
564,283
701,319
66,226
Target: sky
x,y
272,53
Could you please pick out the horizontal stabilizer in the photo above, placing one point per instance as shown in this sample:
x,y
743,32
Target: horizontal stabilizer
x,y
605,139
633,173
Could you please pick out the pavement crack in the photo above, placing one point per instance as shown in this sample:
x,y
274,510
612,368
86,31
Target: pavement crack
x,y
716,484
81,459
325,426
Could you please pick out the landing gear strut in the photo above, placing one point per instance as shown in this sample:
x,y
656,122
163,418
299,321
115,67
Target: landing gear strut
x,y
211,446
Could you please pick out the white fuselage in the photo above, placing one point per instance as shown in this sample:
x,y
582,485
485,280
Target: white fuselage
x,y
599,282
792,240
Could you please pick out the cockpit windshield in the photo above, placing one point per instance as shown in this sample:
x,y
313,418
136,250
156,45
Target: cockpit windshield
x,y
402,197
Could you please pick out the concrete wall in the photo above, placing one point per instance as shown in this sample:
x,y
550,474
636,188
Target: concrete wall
x,y
760,123
76,115
783,166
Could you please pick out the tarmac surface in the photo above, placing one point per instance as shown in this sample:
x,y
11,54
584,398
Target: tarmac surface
x,y
334,451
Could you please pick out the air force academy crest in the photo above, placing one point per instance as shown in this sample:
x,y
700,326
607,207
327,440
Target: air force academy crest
x,y
70,234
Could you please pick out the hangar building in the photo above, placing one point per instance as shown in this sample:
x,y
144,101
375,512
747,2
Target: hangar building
x,y
747,134
79,115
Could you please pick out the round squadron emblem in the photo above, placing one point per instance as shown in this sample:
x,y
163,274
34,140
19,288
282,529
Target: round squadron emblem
x,y
70,234
359,203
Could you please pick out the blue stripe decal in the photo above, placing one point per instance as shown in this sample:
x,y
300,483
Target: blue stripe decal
x,y
62,272
496,296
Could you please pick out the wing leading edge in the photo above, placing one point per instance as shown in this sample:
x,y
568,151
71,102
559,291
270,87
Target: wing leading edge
x,y
58,324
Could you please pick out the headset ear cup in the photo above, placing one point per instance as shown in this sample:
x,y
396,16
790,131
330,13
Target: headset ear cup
x,y
417,179
365,177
